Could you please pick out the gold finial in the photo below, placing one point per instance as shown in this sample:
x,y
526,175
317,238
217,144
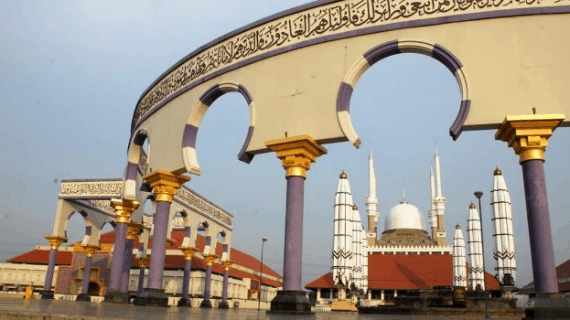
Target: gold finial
x,y
133,230
528,134
343,175
210,259
144,262
497,172
296,154
55,241
90,250
458,226
227,264
124,209
472,206
354,207
188,252
165,184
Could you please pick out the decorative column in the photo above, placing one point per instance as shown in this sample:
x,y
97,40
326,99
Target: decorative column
x,y
143,264
206,303
164,186
296,154
123,210
528,136
133,230
54,243
90,251
224,304
188,255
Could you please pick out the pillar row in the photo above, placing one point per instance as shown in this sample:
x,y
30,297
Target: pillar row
x,y
54,243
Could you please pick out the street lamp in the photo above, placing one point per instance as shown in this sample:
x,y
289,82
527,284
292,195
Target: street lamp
x,y
478,195
263,240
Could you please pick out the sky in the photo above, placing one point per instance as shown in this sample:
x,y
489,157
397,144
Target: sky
x,y
71,73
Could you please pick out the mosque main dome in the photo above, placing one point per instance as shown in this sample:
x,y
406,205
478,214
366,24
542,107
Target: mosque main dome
x,y
403,216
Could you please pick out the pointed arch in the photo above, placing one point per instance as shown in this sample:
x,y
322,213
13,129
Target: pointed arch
x,y
136,155
391,48
197,113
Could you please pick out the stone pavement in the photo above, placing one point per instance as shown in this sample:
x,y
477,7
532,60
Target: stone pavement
x,y
12,308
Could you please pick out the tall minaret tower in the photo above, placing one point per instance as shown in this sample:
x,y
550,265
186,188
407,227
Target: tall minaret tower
x,y
438,201
371,202
432,215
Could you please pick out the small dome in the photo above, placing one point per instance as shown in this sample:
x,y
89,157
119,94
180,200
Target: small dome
x,y
497,172
472,206
403,216
343,175
354,207
457,226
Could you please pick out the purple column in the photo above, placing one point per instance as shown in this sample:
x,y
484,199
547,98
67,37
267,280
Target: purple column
x,y
293,255
141,281
225,286
541,247
118,256
158,245
86,275
207,283
127,262
186,279
50,269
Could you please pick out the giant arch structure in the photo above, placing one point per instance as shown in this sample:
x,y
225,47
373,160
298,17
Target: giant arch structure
x,y
297,69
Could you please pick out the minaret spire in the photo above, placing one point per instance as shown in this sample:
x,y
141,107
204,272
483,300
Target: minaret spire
x,y
371,203
438,204
459,263
432,211
343,251
476,272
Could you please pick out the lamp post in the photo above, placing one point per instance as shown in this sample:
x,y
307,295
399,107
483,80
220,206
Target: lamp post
x,y
478,195
263,240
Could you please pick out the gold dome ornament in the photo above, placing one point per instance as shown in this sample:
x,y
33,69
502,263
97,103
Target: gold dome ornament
x,y
343,175
498,172
472,206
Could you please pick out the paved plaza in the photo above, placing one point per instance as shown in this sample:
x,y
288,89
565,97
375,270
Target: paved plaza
x,y
12,308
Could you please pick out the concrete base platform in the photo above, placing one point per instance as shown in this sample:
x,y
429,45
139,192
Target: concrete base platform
x,y
549,306
83,297
206,304
185,302
152,297
291,302
224,305
47,294
113,296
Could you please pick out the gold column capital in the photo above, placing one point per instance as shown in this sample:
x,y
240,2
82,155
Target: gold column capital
x,y
144,262
227,264
296,153
91,249
133,230
124,209
528,134
55,241
210,259
188,252
165,184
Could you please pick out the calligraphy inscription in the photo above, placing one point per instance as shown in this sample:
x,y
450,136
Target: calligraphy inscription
x,y
90,189
205,206
311,24
104,205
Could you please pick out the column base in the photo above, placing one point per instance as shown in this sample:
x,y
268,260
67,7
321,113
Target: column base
x,y
291,302
152,297
47,294
206,304
185,302
549,306
114,296
224,305
83,297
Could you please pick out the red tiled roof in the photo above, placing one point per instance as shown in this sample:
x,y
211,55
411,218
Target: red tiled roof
x,y
563,271
42,257
403,272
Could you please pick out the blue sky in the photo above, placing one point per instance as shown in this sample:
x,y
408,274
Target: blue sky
x,y
71,73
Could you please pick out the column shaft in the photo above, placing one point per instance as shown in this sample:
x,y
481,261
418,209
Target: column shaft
x,y
541,247
118,256
225,286
156,268
293,253
186,279
86,275
127,262
207,283
50,269
141,281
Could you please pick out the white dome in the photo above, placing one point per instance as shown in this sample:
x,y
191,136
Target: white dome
x,y
404,216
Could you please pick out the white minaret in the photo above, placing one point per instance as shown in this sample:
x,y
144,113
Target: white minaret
x,y
439,202
475,249
371,203
357,245
503,226
342,241
459,263
432,211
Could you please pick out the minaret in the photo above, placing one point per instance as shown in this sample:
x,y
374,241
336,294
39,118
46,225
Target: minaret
x,y
371,202
342,241
503,226
439,205
357,245
476,273
432,213
459,263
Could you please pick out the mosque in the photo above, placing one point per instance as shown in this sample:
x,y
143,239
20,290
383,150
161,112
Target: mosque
x,y
403,260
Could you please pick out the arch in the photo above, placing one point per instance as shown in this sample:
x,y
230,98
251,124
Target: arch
x,y
226,246
86,223
135,154
391,48
195,119
93,289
